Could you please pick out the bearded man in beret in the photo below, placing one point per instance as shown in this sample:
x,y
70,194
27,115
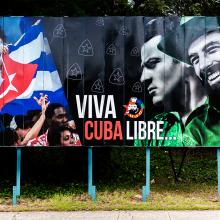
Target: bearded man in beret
x,y
199,40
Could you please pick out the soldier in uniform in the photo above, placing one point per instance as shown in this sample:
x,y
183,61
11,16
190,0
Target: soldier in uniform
x,y
167,81
199,40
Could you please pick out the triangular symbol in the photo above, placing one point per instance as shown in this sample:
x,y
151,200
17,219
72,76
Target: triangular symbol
x,y
100,21
59,31
111,50
97,86
117,77
85,48
124,31
135,52
74,72
137,87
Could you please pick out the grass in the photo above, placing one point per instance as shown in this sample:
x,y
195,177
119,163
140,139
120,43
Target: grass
x,y
110,197
119,175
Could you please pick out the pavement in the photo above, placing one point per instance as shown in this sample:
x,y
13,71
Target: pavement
x,y
113,215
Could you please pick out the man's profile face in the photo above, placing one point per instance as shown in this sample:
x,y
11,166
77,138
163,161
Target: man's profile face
x,y
160,73
59,117
204,54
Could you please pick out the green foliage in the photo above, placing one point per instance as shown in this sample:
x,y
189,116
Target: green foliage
x,y
113,7
128,164
177,7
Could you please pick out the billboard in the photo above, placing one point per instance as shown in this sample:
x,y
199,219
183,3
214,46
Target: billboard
x,y
110,81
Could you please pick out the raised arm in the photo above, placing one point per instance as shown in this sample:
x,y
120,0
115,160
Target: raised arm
x,y
34,131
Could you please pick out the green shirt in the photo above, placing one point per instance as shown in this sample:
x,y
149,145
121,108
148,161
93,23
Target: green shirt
x,y
173,127
203,128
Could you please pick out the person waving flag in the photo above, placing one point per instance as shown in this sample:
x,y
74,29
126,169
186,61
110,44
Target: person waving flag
x,y
28,70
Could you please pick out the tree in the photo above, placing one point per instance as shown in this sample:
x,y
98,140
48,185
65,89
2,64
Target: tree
x,y
111,7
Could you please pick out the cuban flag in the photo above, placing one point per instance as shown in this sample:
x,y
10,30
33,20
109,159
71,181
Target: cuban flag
x,y
27,71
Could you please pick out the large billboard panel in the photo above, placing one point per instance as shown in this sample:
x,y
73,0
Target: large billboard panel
x,y
110,81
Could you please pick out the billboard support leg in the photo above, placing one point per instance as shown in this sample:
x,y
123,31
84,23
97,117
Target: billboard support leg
x,y
17,188
218,162
185,151
173,166
91,188
146,188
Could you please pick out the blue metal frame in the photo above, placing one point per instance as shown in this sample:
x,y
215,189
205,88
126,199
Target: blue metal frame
x,y
17,188
146,188
91,188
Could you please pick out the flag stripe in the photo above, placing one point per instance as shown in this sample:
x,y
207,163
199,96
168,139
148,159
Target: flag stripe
x,y
29,52
44,80
30,35
45,63
21,106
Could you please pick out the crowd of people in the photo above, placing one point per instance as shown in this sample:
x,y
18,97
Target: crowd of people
x,y
49,126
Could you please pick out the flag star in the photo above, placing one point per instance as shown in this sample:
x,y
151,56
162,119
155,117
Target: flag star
x,y
97,87
86,48
116,77
1,79
75,72
11,87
